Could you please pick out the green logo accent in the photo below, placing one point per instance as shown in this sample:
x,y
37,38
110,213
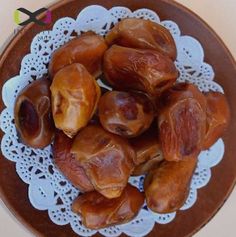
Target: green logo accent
x,y
17,17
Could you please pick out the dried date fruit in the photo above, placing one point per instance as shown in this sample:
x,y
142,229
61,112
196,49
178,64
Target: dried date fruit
x,y
87,49
98,212
167,187
182,122
142,34
148,151
32,114
75,95
126,114
147,166
106,158
67,163
139,69
218,117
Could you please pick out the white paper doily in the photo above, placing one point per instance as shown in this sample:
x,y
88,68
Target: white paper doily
x,y
48,189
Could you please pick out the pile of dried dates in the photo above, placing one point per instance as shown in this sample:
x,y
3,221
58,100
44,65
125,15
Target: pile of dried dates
x,y
148,124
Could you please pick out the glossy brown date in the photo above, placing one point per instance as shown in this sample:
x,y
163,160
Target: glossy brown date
x,y
98,212
106,158
142,34
67,163
139,69
218,117
148,151
182,122
32,114
147,166
87,49
167,187
75,95
126,114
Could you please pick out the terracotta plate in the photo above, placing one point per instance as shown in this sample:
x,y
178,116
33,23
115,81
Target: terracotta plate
x,y
210,198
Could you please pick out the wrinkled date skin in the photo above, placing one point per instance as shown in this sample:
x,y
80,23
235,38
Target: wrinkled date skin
x,y
87,49
182,122
98,212
67,164
218,117
148,151
167,187
75,95
106,158
142,34
32,113
139,69
145,167
126,114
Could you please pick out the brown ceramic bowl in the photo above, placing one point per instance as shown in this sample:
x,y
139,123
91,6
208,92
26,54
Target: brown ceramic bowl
x,y
210,198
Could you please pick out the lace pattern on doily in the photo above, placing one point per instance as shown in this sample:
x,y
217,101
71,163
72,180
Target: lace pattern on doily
x,y
48,189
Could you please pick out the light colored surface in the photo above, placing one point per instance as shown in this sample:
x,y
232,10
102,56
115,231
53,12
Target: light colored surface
x,y
217,15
